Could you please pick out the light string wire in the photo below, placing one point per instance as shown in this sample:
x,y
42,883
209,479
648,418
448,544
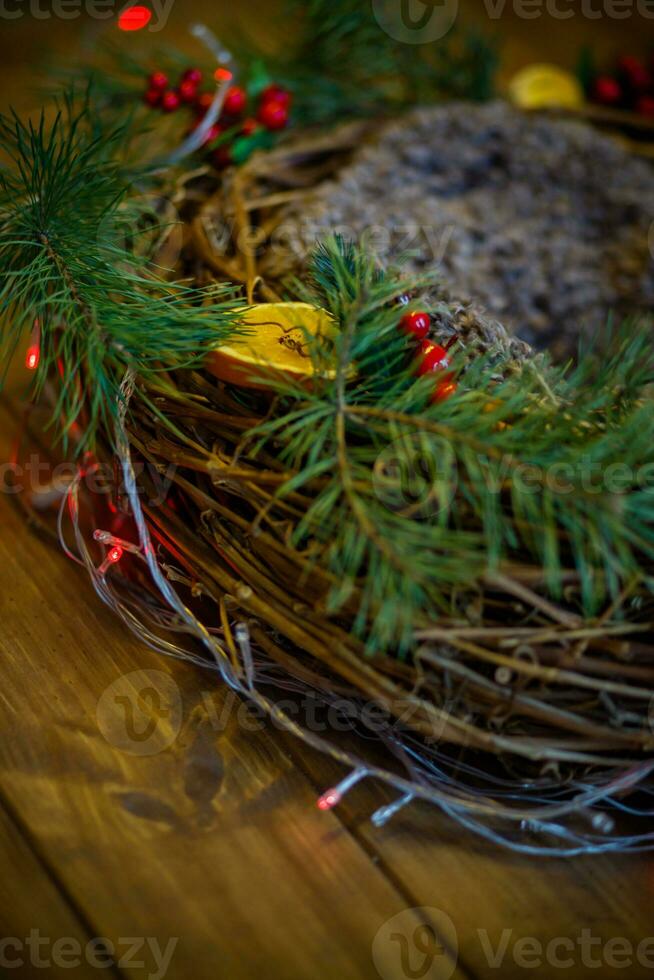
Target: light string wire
x,y
427,777
224,76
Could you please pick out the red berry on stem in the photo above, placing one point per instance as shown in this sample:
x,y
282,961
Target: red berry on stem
x,y
158,80
235,101
607,90
445,387
249,126
634,72
273,115
432,357
275,93
417,324
152,97
170,101
187,91
193,75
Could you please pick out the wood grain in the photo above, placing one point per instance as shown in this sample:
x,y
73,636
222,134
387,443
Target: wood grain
x,y
214,840
495,896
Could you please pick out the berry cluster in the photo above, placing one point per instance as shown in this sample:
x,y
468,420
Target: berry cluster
x,y
630,86
271,107
432,358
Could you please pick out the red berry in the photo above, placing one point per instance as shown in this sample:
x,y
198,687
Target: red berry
x,y
187,91
645,106
152,97
634,72
272,115
275,93
607,90
221,157
432,357
235,101
193,75
445,387
203,101
249,126
417,324
158,80
170,101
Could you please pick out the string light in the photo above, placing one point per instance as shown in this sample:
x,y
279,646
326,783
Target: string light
x,y
134,18
429,773
384,813
114,554
33,357
111,541
332,797
329,799
223,75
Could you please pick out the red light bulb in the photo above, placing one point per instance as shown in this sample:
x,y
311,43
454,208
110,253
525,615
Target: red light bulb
x,y
330,798
114,554
134,18
33,357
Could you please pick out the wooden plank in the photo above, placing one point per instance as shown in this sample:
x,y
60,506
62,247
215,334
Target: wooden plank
x,y
208,836
504,904
39,930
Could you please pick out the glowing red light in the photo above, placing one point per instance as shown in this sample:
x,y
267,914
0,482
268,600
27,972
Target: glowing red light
x,y
33,357
329,799
114,554
223,75
134,18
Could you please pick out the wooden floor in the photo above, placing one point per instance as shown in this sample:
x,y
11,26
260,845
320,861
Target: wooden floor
x,y
195,849
203,829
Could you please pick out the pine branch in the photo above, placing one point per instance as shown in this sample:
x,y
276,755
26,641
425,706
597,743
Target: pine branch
x,y
67,266
547,464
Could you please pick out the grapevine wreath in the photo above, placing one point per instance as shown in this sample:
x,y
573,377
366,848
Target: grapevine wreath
x,y
377,496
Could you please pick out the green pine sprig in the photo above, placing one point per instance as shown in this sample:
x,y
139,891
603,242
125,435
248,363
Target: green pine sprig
x,y
68,265
547,464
